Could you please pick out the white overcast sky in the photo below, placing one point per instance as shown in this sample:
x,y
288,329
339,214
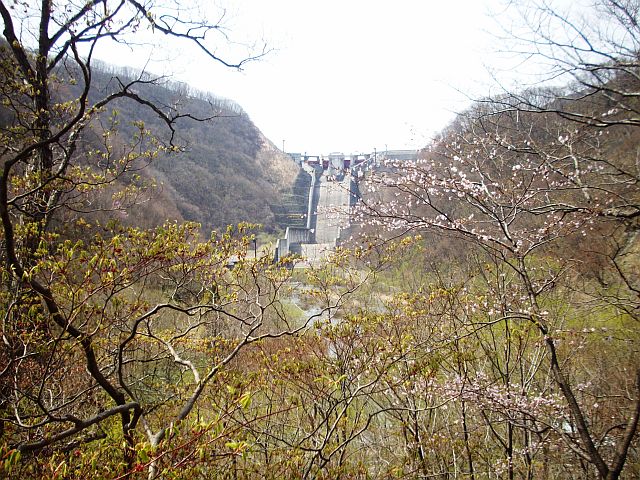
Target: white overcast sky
x,y
346,75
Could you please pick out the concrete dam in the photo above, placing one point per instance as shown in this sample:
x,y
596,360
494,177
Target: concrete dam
x,y
331,196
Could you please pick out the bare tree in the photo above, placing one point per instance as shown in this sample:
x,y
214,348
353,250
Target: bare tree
x,y
547,173
83,340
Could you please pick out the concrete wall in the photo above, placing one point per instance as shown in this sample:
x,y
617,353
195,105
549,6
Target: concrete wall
x,y
283,248
298,235
310,200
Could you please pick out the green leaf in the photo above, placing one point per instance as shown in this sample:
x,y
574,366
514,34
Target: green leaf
x,y
245,400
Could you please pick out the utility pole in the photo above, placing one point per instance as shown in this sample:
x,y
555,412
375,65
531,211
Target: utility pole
x,y
283,146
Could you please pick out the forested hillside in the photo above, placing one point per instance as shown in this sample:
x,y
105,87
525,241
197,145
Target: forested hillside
x,y
527,210
222,171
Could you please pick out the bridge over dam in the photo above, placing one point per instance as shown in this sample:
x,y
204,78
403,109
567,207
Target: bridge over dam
x,y
331,196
